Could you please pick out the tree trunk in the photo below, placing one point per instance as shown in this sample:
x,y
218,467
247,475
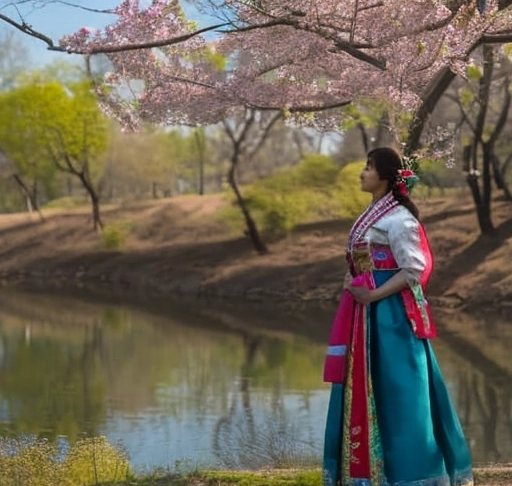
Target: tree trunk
x,y
200,143
201,176
487,188
482,210
252,230
95,202
432,95
482,201
30,196
364,137
499,178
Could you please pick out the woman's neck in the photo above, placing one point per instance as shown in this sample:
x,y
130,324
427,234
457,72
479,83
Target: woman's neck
x,y
378,195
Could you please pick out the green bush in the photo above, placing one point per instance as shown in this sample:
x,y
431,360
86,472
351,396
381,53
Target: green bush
x,y
314,189
292,196
37,463
66,203
113,236
94,461
350,198
28,463
316,171
278,203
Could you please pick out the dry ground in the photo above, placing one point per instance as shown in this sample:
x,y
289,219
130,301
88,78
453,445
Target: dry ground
x,y
181,246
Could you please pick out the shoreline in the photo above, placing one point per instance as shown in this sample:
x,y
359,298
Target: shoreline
x,y
127,286
180,248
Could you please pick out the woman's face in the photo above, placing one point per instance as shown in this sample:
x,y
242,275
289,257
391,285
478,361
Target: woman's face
x,y
371,181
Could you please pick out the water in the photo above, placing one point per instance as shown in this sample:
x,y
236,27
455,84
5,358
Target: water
x,y
192,385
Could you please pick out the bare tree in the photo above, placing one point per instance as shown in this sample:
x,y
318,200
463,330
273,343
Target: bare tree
x,y
247,134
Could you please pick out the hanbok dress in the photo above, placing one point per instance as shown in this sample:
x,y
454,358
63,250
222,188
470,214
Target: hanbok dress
x,y
390,419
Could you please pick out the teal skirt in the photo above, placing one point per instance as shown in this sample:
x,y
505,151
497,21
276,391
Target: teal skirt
x,y
421,442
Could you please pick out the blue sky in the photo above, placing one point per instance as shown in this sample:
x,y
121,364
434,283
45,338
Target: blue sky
x,y
56,20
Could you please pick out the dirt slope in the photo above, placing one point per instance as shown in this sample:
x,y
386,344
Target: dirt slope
x,y
180,246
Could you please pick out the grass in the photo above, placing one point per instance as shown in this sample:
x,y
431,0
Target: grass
x,y
94,462
496,475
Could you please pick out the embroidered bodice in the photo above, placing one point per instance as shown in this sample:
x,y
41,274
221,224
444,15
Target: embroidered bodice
x,y
399,230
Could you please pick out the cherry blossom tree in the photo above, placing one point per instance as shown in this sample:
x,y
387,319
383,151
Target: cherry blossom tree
x,y
304,58
296,56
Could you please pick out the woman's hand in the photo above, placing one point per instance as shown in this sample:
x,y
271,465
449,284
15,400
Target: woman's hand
x,y
347,280
363,295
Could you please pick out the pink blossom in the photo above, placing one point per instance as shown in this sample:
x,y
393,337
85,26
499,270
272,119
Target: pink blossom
x,y
316,53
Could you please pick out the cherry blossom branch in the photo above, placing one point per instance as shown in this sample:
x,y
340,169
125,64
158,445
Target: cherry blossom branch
x,y
254,106
28,30
357,54
340,45
304,108
500,38
139,46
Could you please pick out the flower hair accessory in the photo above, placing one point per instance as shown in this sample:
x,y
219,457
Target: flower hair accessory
x,y
405,181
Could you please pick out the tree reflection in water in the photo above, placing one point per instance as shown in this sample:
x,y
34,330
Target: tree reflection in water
x,y
244,441
241,388
474,354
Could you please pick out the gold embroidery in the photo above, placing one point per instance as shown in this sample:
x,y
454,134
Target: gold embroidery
x,y
362,258
346,455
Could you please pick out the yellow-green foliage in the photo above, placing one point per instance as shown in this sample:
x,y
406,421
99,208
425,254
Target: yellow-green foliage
x,y
350,197
28,465
316,171
314,189
292,196
278,202
113,236
66,202
269,478
94,461
36,463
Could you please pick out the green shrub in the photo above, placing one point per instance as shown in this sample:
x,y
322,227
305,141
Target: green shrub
x,y
316,171
94,461
278,203
314,189
113,236
66,202
28,463
350,198
32,462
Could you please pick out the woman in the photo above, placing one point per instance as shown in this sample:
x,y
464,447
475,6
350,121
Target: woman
x,y
390,420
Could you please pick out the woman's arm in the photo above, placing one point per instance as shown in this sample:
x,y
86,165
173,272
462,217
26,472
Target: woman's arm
x,y
395,284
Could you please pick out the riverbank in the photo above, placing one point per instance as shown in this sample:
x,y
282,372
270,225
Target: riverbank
x,y
484,476
183,247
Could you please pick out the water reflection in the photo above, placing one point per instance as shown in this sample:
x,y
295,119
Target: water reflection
x,y
194,386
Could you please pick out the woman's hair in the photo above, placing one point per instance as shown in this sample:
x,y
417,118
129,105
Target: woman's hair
x,y
387,163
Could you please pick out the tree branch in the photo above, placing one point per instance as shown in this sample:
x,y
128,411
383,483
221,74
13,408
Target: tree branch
x,y
339,45
88,9
502,38
264,135
138,46
464,116
27,29
302,108
500,124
